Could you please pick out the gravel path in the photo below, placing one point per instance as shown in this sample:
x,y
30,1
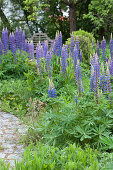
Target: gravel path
x,y
10,130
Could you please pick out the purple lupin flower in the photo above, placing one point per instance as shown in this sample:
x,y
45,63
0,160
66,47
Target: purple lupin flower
x,y
79,78
95,75
111,46
63,61
72,44
75,57
103,46
60,43
12,43
1,49
98,49
77,45
45,47
109,89
57,44
110,64
92,79
39,55
51,90
5,41
31,50
48,63
27,47
103,81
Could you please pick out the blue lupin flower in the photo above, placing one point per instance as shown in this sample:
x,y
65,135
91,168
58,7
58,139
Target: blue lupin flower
x,y
109,89
103,80
48,63
12,44
39,55
1,49
77,45
5,41
45,47
57,44
51,90
92,79
95,75
31,50
75,57
79,78
63,59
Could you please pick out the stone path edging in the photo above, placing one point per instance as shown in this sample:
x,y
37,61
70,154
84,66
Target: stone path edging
x,y
10,130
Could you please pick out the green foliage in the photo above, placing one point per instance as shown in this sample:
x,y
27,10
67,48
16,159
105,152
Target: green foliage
x,y
67,123
3,166
11,68
46,157
14,95
85,40
100,14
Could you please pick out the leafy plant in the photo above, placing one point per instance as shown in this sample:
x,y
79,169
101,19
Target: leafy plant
x,y
85,40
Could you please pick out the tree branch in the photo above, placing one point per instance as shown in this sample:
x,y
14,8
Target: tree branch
x,y
5,20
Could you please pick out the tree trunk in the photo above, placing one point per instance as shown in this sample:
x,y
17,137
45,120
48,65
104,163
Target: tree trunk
x,y
5,20
72,16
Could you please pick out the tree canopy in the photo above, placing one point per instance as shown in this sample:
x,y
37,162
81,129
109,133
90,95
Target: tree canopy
x,y
48,16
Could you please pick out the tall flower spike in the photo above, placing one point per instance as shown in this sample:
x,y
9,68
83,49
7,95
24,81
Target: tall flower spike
x,y
103,46
111,46
103,81
75,57
95,75
92,79
110,63
39,53
64,63
77,45
57,44
109,89
5,41
79,78
51,90
1,49
12,45
45,47
48,63
31,50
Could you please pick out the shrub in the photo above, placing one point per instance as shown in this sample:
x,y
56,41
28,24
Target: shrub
x,y
85,41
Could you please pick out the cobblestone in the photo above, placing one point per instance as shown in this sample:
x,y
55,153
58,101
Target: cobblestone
x,y
10,130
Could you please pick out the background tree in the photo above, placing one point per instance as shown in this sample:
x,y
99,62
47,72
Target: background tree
x,y
100,14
